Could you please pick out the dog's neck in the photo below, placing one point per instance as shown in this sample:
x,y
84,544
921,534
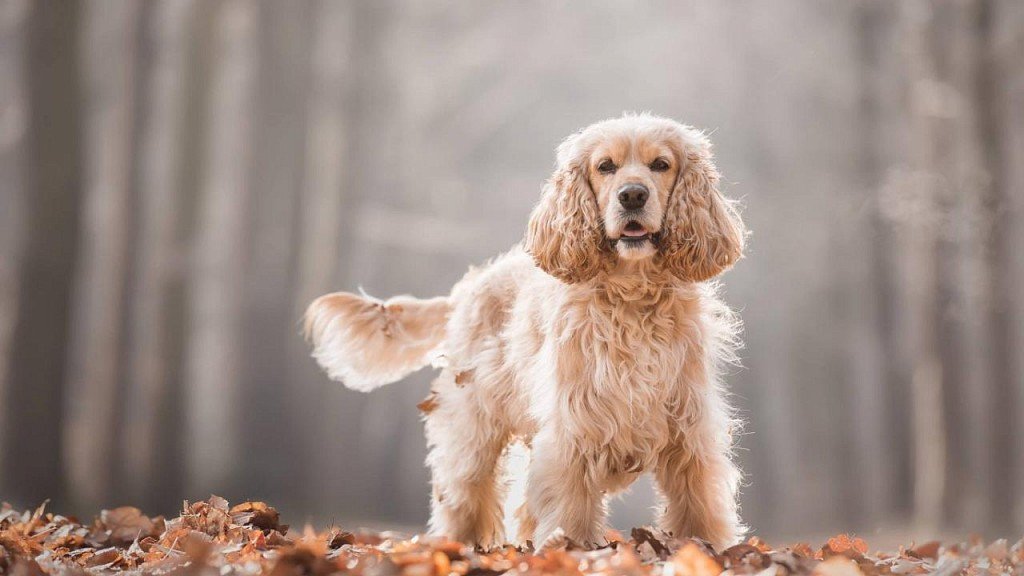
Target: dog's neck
x,y
641,281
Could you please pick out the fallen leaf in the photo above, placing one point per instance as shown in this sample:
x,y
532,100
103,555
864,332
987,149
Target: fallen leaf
x,y
690,560
837,566
428,404
463,377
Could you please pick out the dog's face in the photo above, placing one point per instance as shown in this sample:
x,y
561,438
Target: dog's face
x,y
635,188
632,176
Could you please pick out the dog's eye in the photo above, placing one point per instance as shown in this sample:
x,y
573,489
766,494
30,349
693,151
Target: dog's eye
x,y
607,167
659,165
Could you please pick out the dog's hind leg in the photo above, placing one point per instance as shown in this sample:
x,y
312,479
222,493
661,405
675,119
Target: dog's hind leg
x,y
466,445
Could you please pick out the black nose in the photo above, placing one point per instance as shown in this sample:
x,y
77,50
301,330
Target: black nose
x,y
633,196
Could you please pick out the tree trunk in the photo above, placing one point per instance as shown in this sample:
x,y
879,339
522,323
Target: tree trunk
x,y
1000,100
93,388
876,449
319,230
13,191
922,271
276,187
32,470
346,415
147,445
213,383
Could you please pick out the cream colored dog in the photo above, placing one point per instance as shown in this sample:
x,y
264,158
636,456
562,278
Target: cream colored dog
x,y
599,341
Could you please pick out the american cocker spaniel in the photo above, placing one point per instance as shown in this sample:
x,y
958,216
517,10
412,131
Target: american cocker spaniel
x,y
599,342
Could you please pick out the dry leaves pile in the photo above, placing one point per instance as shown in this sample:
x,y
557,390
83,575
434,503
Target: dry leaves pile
x,y
213,538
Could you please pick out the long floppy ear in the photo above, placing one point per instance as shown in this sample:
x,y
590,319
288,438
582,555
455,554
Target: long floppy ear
x,y
564,235
703,233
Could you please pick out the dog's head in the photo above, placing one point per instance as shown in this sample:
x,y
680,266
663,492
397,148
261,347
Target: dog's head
x,y
635,188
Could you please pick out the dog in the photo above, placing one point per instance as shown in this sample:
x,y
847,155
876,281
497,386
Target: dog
x,y
600,342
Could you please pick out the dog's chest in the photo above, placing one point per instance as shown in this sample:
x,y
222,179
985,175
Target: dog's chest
x,y
628,386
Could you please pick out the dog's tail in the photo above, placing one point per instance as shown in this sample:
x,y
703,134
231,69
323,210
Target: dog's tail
x,y
365,343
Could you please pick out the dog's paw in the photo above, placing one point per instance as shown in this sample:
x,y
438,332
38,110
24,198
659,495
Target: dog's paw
x,y
557,540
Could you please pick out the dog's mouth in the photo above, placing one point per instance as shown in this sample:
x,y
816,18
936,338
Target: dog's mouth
x,y
634,234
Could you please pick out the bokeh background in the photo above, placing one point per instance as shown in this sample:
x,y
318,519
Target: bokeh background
x,y
179,178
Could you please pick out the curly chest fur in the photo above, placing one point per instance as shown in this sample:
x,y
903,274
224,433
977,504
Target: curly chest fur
x,y
621,384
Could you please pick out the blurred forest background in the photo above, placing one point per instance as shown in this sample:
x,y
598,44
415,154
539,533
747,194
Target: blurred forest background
x,y
179,178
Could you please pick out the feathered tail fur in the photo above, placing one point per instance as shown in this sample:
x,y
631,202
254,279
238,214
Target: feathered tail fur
x,y
365,343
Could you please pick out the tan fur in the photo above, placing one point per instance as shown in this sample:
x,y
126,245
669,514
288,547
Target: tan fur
x,y
564,234
367,343
605,357
707,234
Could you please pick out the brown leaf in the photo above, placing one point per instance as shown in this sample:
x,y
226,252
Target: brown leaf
x,y
794,562
642,535
837,566
257,515
341,538
442,564
690,560
845,545
429,404
926,550
218,503
744,555
463,377
761,545
127,523
106,557
302,561
803,549
23,567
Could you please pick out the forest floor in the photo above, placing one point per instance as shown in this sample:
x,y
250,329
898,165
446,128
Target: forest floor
x,y
214,538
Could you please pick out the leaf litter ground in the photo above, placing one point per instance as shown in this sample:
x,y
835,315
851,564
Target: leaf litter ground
x,y
214,538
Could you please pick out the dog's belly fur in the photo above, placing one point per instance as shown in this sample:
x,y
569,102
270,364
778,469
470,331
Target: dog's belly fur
x,y
608,369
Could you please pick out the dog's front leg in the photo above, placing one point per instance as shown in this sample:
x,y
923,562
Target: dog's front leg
x,y
562,492
698,481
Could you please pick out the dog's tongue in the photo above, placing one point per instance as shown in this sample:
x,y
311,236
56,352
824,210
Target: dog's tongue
x,y
634,230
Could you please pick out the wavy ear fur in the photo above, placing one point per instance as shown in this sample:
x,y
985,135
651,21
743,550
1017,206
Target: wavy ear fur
x,y
564,235
704,234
